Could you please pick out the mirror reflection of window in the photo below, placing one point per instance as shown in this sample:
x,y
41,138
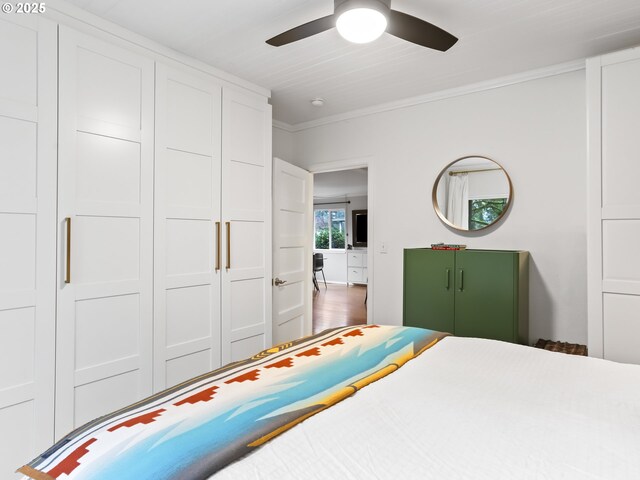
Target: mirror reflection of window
x,y
472,193
483,212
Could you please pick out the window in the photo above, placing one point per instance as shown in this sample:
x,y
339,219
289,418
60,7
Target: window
x,y
330,229
484,211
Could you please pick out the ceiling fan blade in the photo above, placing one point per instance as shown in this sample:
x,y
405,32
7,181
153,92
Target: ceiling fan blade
x,y
303,31
418,31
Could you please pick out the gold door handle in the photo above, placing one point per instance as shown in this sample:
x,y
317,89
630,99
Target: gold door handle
x,y
67,270
217,246
228,225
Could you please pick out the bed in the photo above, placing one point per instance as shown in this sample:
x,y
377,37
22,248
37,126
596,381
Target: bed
x,y
457,408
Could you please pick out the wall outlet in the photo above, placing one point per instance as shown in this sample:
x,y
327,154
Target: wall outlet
x,y
383,247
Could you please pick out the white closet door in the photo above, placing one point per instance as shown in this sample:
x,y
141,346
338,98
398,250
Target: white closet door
x,y
246,213
614,210
105,188
27,237
187,226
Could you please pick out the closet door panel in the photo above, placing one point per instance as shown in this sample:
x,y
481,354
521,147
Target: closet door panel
x,y
182,368
94,398
18,252
620,139
622,328
613,102
18,158
105,188
188,246
108,170
27,224
187,213
246,175
108,93
190,119
190,184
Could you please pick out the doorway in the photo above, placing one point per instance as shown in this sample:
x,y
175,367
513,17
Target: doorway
x,y
340,242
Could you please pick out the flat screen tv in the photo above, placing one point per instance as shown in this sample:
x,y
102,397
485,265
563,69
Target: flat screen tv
x,y
359,228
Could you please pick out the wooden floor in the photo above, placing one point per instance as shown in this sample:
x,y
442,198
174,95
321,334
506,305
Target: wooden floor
x,y
338,305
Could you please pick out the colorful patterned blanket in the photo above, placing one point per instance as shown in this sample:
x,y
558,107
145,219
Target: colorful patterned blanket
x,y
196,428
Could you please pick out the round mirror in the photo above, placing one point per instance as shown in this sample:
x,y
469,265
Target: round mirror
x,y
472,193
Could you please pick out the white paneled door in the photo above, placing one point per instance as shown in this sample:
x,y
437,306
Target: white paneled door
x,y
292,253
246,232
105,225
188,230
27,237
614,205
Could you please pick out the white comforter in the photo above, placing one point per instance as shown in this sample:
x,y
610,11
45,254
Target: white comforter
x,y
470,409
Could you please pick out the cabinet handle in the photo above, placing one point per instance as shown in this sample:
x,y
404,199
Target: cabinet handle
x,y
217,246
67,270
228,225
447,278
461,280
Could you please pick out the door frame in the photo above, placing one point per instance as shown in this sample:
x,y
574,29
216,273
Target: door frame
x,y
352,164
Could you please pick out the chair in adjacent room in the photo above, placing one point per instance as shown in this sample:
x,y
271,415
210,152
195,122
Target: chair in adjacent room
x,y
318,265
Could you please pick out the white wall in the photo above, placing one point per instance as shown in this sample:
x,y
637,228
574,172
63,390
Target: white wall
x,y
282,144
536,130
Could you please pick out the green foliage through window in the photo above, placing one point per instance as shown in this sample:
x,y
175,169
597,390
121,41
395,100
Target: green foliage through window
x,y
485,211
330,229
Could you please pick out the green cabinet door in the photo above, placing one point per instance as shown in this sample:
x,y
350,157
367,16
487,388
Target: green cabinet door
x,y
485,294
428,289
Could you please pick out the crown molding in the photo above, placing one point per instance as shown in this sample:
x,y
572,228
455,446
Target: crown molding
x,y
283,126
499,82
65,13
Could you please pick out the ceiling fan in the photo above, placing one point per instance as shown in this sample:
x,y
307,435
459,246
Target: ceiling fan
x,y
362,21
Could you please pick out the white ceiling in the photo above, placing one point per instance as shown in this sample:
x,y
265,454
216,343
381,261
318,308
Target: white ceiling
x,y
497,38
346,183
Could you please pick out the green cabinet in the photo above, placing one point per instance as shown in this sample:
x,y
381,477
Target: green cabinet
x,y
470,293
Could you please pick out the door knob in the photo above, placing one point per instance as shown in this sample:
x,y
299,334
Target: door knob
x,y
279,282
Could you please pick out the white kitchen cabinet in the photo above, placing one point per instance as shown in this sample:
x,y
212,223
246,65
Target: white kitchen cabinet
x,y
357,267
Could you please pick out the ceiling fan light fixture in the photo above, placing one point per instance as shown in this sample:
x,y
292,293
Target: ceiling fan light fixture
x,y
361,25
362,21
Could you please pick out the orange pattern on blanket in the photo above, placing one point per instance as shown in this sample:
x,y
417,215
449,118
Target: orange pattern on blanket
x,y
312,352
335,341
251,375
203,396
70,463
285,362
354,333
145,419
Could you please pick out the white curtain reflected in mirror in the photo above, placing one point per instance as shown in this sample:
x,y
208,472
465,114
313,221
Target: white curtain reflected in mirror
x,y
457,211
472,193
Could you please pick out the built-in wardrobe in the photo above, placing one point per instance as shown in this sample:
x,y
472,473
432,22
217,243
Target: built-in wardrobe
x,y
135,217
613,112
